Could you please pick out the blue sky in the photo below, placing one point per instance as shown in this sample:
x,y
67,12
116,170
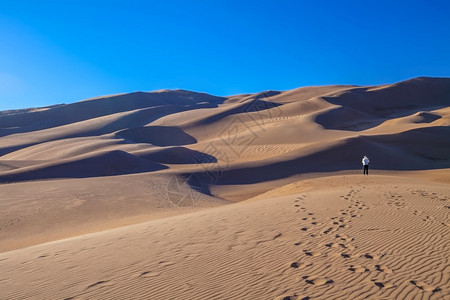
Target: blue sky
x,y
65,51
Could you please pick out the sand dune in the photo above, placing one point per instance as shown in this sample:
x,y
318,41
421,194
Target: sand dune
x,y
346,237
103,164
135,195
26,121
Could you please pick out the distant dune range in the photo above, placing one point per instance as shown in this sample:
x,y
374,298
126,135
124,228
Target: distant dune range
x,y
83,171
403,126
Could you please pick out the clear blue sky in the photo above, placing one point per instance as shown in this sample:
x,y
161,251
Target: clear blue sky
x,y
64,51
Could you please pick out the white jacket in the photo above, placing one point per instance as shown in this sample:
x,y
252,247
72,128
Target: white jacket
x,y
365,161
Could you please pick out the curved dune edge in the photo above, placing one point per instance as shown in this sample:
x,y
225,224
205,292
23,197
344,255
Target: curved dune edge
x,y
399,126
133,195
346,237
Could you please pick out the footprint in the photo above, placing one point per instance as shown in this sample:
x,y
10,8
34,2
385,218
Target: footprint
x,y
384,269
426,287
383,284
344,237
297,265
332,245
330,229
317,280
312,253
371,255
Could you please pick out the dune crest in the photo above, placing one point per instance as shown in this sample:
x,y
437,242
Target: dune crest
x,y
184,195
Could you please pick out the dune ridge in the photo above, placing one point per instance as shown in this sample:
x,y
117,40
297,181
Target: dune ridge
x,y
141,121
184,195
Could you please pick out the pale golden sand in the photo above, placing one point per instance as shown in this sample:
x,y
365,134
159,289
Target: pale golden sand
x,y
182,195
347,237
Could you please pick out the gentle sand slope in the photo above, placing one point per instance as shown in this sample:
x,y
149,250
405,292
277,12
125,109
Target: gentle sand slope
x,y
346,237
36,212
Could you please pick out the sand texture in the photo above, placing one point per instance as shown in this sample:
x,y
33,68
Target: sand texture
x,y
184,195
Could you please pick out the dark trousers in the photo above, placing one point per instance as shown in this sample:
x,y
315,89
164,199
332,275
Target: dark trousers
x,y
366,169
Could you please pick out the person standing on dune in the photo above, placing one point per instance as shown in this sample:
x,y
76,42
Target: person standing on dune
x,y
365,162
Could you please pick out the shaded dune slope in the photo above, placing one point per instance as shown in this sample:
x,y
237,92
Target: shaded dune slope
x,y
104,164
157,135
246,138
404,151
368,107
26,121
176,155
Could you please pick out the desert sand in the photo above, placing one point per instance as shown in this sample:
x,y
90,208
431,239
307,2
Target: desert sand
x,y
181,195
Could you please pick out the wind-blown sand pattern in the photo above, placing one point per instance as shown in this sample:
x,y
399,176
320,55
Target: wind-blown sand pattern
x,y
180,195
